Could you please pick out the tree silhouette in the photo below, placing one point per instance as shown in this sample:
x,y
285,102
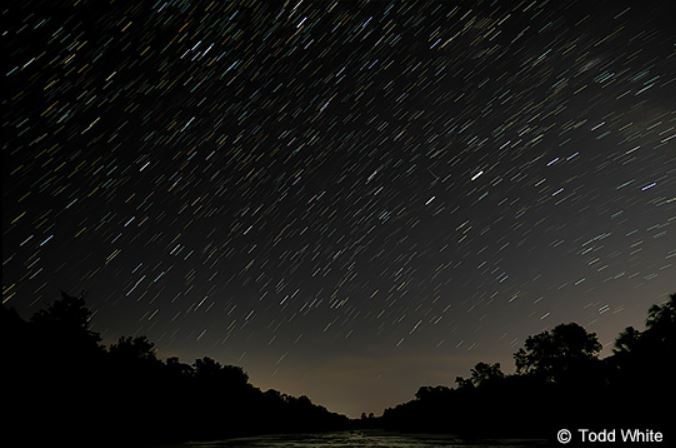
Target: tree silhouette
x,y
559,382
554,355
662,321
72,389
643,361
67,319
176,368
484,373
627,341
133,349
209,371
481,375
68,387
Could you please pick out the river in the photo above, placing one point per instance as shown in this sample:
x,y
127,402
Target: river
x,y
362,439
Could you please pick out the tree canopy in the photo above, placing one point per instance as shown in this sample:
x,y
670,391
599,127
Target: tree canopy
x,y
560,381
74,389
552,355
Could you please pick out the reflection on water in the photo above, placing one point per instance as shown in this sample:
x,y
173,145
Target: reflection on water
x,y
360,439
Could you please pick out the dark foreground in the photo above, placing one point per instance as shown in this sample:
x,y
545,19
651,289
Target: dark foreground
x,y
362,439
66,387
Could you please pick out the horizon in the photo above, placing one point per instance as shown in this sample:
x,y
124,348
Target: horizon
x,y
446,377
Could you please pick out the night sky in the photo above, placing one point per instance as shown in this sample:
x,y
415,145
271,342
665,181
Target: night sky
x,y
349,200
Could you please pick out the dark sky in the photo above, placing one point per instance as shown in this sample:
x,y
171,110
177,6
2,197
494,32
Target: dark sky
x,y
349,200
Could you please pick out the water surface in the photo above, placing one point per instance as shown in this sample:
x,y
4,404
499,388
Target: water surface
x,y
362,439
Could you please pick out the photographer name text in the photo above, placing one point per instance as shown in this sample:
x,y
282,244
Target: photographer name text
x,y
624,435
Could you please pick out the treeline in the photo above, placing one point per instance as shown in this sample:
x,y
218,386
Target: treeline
x,y
560,382
61,384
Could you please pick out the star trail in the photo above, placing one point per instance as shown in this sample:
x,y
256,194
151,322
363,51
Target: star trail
x,y
347,199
